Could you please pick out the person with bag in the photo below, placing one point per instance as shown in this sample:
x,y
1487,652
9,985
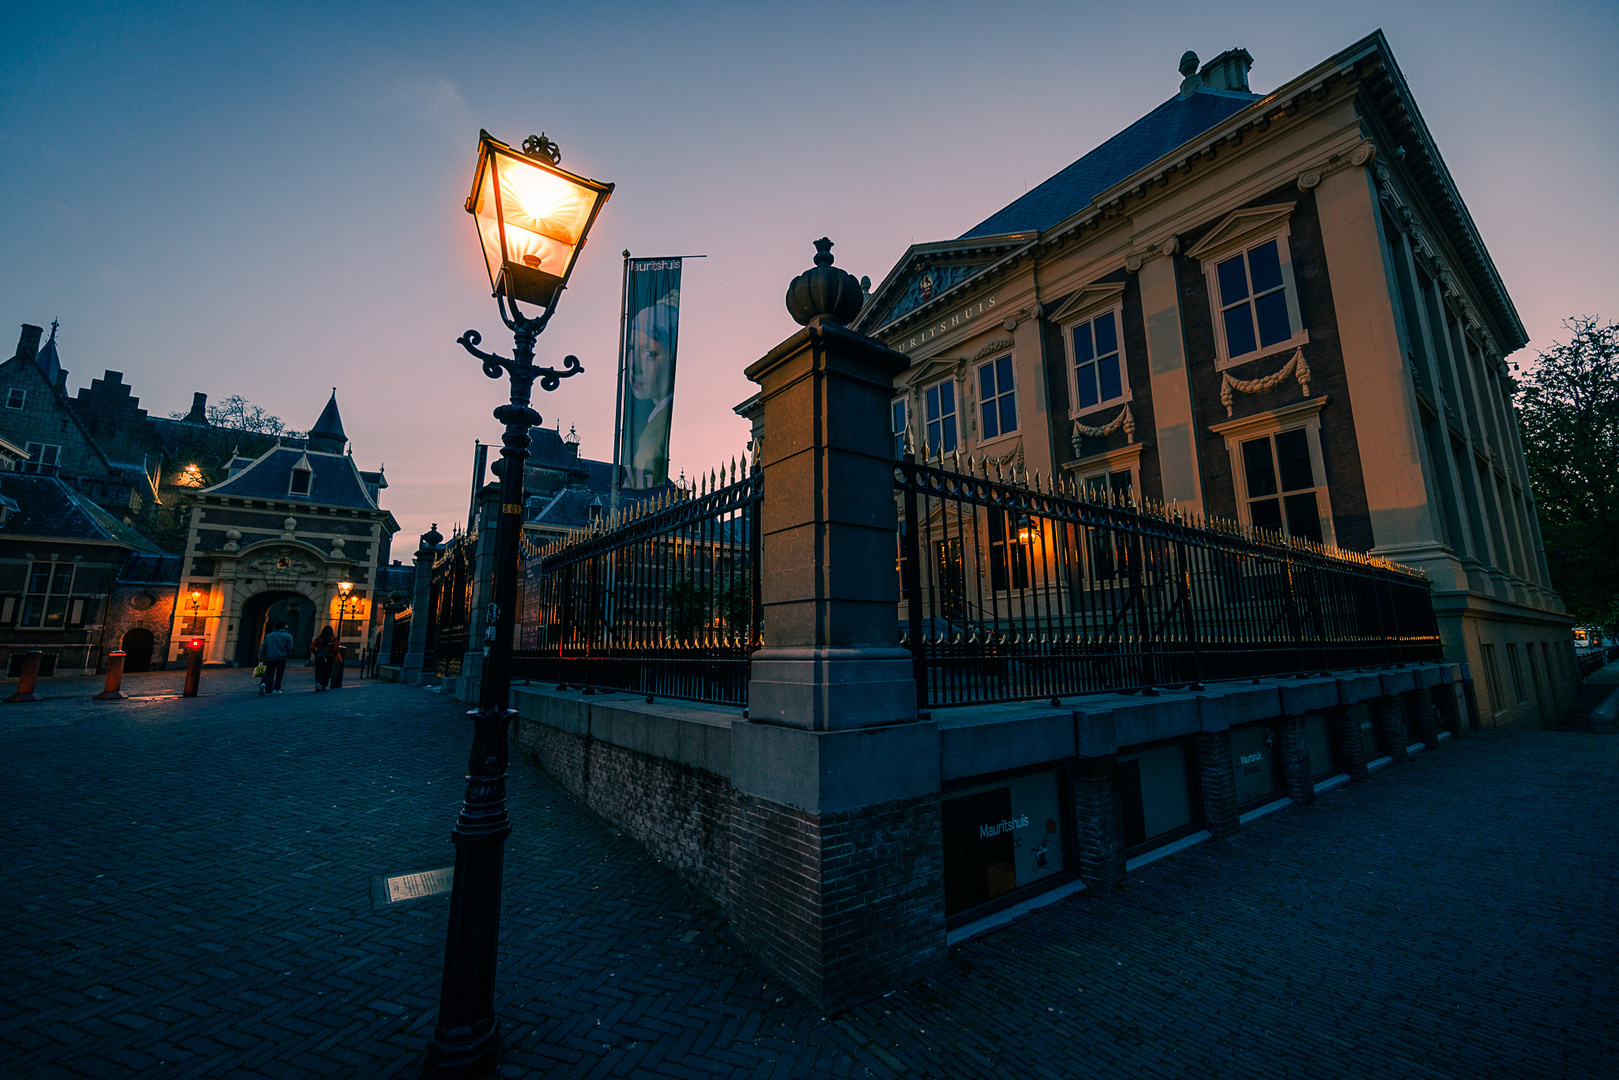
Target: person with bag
x,y
325,658
273,654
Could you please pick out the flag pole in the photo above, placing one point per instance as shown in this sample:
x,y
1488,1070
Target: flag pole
x,y
618,404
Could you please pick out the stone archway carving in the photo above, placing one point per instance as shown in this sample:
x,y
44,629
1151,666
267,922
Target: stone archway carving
x,y
283,565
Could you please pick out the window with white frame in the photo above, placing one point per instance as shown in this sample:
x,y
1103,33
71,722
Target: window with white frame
x,y
899,428
1107,478
1098,362
49,588
299,484
1278,472
939,409
16,398
1249,269
997,398
1008,552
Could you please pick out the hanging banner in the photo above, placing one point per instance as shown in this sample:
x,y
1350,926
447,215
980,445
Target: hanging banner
x,y
651,323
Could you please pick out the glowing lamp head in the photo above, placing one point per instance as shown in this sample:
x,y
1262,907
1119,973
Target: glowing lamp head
x,y
344,587
532,216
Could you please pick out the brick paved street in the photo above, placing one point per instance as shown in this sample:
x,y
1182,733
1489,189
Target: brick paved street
x,y
186,892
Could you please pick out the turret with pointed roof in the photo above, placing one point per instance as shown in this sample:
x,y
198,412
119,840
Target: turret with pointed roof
x,y
327,437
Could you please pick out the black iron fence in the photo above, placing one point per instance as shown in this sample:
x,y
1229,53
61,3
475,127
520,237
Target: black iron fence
x,y
450,606
662,600
1017,591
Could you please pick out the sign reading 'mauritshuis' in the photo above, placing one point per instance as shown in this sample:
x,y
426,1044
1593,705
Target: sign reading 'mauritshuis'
x,y
976,309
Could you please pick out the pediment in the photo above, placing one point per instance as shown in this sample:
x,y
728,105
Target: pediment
x,y
1238,227
1093,297
929,370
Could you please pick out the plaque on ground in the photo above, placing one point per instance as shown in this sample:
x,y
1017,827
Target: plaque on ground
x,y
388,889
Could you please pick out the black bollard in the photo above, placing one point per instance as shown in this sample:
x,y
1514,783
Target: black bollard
x,y
337,670
193,667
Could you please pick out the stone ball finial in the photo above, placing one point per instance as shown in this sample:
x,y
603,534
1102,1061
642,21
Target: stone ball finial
x,y
824,291
1189,62
289,525
233,540
338,543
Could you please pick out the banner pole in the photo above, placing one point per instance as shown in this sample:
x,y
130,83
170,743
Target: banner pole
x,y
618,404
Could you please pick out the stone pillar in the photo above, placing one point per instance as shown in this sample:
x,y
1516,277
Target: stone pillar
x,y
1475,722
1216,781
1293,746
483,580
1173,415
390,608
421,614
1448,700
837,871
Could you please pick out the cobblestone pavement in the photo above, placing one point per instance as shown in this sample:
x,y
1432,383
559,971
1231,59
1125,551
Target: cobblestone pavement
x,y
185,887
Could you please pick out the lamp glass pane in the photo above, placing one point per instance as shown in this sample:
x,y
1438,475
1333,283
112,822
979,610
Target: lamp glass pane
x,y
542,202
488,223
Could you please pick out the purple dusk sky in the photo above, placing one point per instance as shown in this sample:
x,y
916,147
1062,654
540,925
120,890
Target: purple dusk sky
x,y
266,199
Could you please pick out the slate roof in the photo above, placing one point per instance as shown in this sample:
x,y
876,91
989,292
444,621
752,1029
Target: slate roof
x,y
46,507
336,480
142,569
399,579
1175,122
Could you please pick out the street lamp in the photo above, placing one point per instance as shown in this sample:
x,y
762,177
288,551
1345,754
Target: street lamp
x,y
196,598
343,590
532,219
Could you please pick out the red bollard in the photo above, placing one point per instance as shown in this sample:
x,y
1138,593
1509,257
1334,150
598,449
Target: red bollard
x,y
193,667
337,671
115,679
28,677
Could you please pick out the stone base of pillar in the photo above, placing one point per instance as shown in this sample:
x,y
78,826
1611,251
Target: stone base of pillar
x,y
1450,704
1475,721
836,875
827,689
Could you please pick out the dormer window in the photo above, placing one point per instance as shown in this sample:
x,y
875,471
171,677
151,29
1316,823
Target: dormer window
x,y
303,478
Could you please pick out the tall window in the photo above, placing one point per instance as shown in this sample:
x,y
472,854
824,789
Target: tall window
x,y
16,398
940,403
1098,365
1253,300
1283,485
1107,554
997,398
899,429
1008,555
50,585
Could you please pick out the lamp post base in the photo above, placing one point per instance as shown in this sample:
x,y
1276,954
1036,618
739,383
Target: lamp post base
x,y
465,1052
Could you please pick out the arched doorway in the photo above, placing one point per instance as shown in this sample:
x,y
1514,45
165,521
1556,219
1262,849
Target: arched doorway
x,y
137,646
266,609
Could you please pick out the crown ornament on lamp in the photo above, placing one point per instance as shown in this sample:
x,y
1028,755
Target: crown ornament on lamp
x,y
533,216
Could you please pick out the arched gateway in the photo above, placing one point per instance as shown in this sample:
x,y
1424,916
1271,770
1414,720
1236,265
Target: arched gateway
x,y
272,542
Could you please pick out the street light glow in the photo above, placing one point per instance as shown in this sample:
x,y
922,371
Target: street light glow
x,y
532,218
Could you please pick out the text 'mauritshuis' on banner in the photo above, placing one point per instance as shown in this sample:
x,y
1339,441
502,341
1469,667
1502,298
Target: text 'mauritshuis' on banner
x,y
651,325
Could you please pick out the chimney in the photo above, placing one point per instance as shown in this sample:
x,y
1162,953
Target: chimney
x,y
61,380
1228,71
199,410
28,343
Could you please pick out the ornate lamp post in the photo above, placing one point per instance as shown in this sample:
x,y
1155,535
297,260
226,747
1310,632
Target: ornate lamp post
x,y
532,219
343,590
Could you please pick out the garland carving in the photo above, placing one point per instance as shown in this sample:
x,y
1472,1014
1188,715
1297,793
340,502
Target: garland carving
x,y
1295,367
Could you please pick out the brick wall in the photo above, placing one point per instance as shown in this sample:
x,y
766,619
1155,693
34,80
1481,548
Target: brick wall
x,y
842,905
1098,822
1297,769
680,814
1216,781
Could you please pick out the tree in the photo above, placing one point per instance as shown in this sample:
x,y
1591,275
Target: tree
x,y
236,413
1568,408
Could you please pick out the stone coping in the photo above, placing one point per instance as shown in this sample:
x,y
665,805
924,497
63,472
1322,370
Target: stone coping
x,y
980,740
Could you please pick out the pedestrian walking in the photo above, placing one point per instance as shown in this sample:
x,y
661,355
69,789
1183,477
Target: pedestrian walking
x,y
325,657
274,651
